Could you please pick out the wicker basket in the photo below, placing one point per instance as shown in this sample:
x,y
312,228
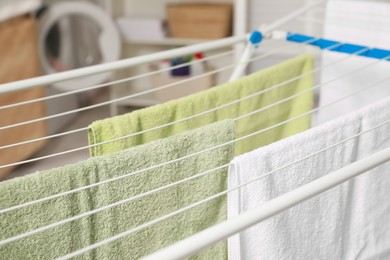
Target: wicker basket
x,y
200,21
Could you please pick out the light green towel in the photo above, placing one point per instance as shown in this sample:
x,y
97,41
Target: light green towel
x,y
80,233
143,119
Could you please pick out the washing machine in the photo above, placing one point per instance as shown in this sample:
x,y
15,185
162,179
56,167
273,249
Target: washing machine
x,y
74,34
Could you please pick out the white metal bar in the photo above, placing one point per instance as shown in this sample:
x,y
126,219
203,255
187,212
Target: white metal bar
x,y
89,213
136,94
243,62
117,65
188,156
199,114
167,86
257,111
44,228
210,236
238,118
312,89
249,49
111,83
155,221
140,93
97,210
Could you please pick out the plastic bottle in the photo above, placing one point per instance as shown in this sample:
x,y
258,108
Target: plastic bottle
x,y
182,70
197,67
165,64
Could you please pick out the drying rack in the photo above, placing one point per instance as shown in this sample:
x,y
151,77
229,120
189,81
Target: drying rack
x,y
254,41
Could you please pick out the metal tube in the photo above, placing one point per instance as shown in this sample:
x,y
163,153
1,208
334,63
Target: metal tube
x,y
249,49
126,63
210,236
117,65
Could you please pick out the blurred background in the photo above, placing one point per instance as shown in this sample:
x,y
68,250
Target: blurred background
x,y
42,37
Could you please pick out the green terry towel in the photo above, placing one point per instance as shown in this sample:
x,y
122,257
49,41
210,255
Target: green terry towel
x,y
80,233
158,115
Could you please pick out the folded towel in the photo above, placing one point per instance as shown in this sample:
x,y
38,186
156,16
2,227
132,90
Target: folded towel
x,y
348,222
78,234
158,115
362,22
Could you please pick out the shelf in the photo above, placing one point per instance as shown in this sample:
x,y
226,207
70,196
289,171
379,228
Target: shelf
x,y
139,102
141,46
164,42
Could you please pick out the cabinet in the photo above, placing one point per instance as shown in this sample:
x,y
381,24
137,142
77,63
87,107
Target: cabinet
x,y
139,47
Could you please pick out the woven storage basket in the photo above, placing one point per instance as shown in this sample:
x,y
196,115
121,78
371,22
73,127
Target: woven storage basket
x,y
200,21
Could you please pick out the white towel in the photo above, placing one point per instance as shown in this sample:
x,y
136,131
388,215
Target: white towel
x,y
361,22
347,222
369,234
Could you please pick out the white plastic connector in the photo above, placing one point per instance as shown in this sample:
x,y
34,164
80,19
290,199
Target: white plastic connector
x,y
279,35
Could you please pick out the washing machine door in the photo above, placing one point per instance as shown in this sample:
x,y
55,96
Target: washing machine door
x,y
74,35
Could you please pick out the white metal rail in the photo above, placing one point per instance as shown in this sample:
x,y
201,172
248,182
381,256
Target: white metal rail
x,y
210,236
135,61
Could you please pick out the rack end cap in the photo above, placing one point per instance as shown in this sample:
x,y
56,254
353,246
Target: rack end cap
x,y
256,38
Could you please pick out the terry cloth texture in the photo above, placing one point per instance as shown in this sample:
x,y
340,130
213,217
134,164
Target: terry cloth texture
x,y
350,221
144,119
309,230
78,234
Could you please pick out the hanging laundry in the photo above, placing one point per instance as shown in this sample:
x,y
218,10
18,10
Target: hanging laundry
x,y
369,234
80,233
348,222
140,120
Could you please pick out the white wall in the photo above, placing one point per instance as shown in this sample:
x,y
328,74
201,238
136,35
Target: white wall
x,y
265,12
